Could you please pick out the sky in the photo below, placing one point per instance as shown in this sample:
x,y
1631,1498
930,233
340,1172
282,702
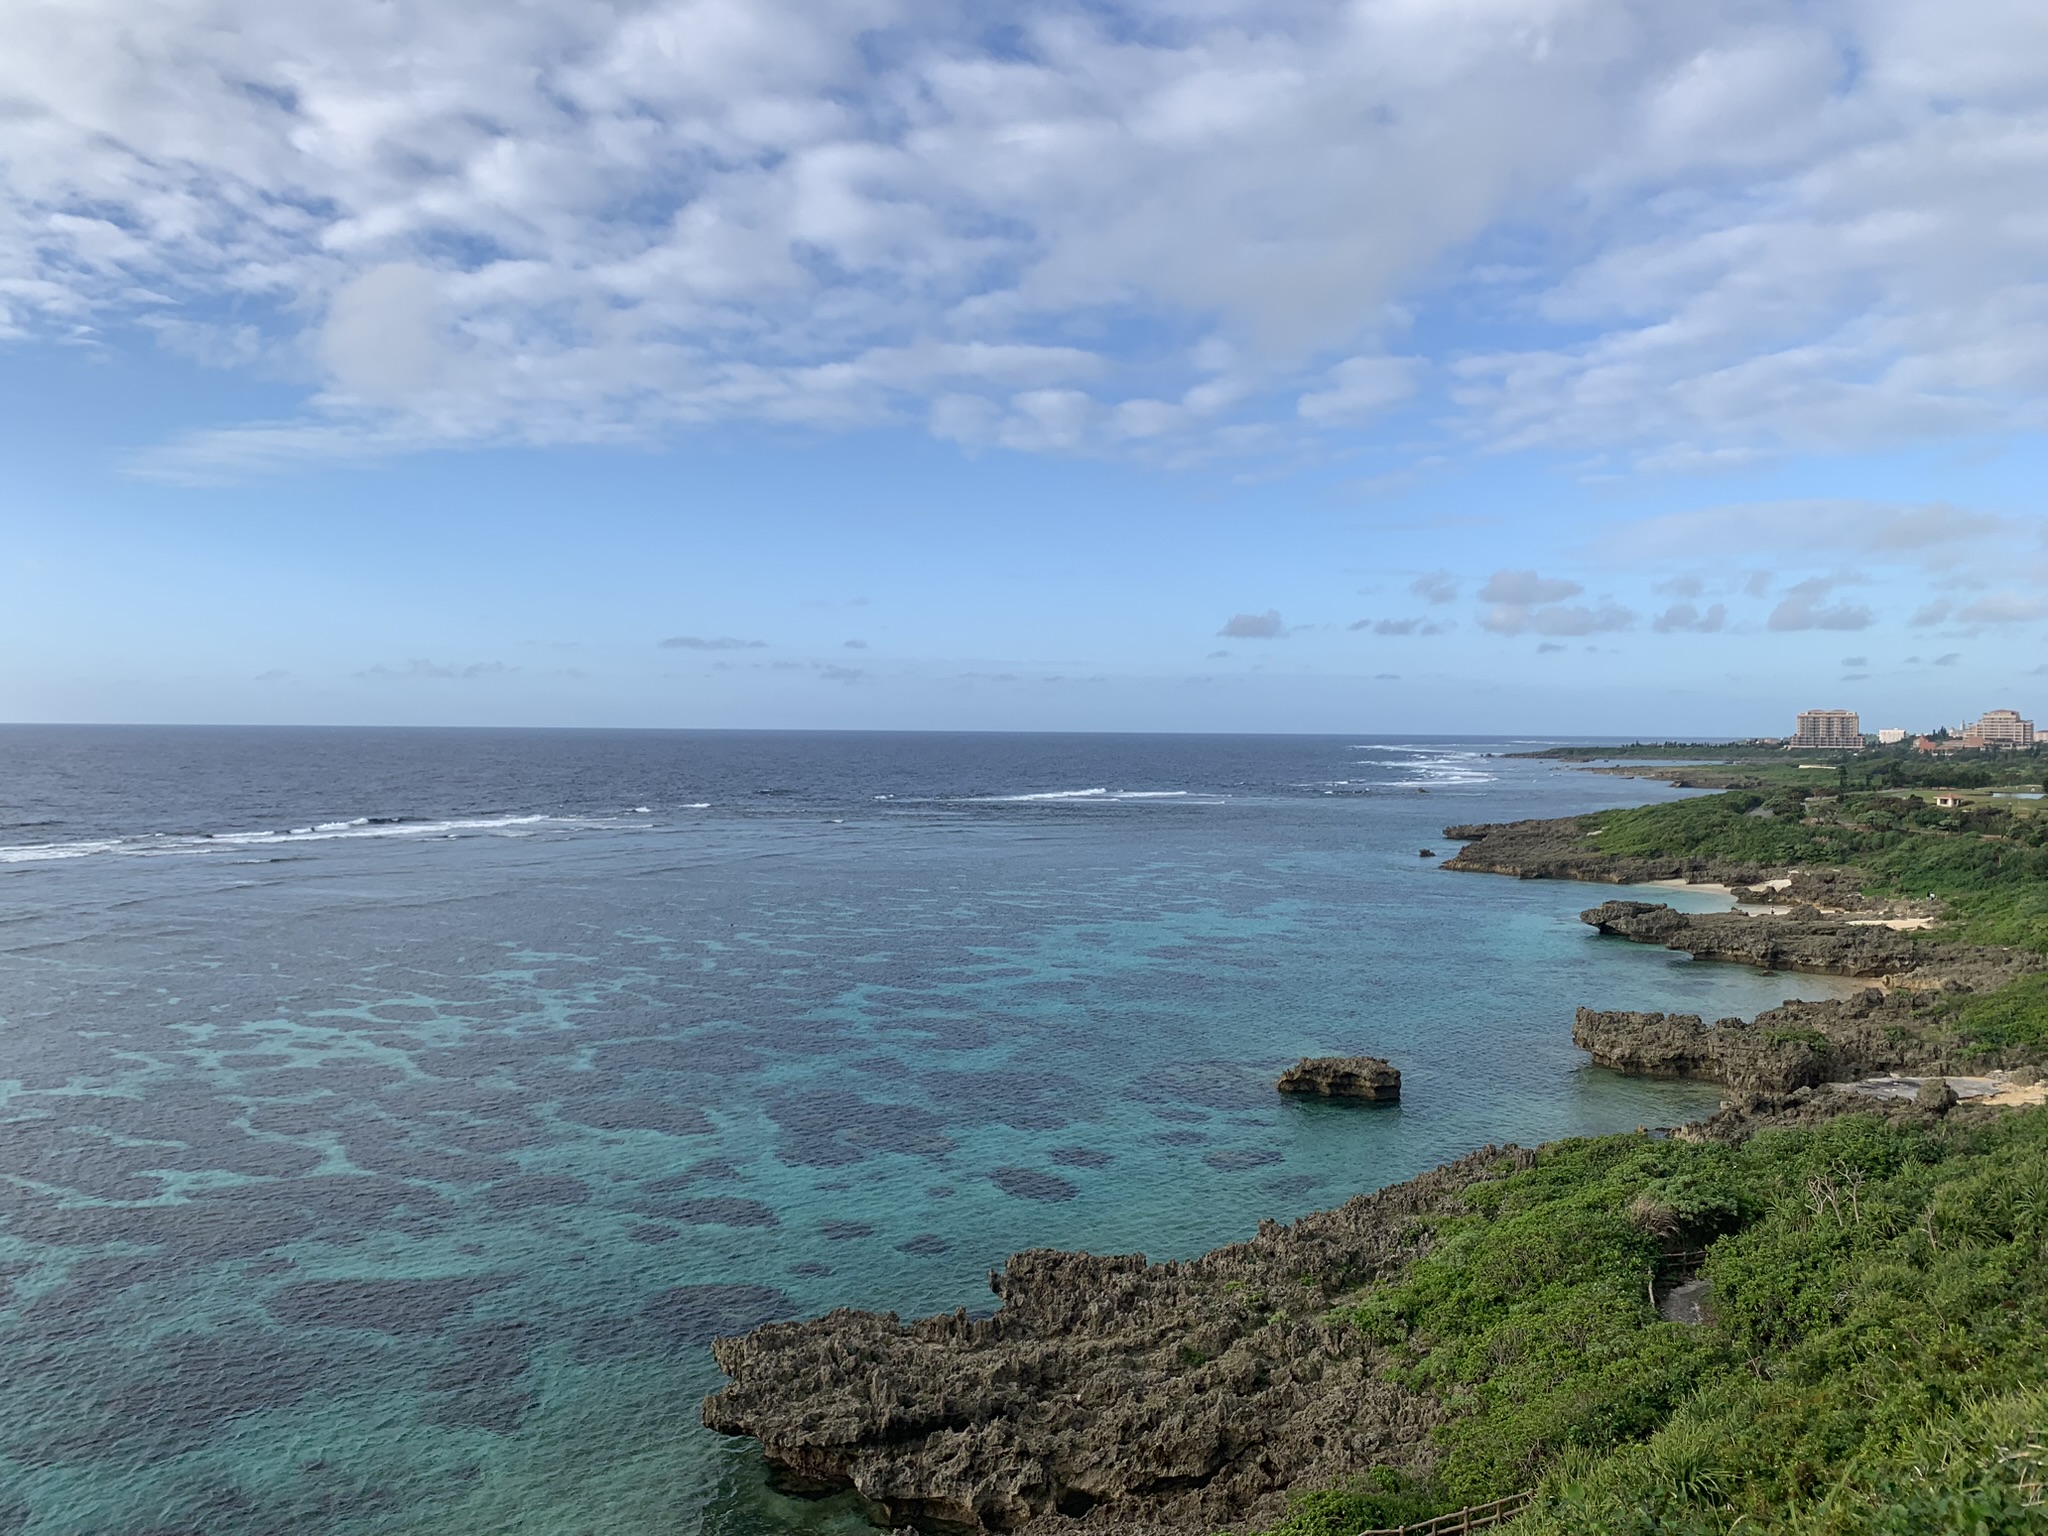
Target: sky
x,y
1377,366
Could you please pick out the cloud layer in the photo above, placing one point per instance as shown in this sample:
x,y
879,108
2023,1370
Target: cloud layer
x,y
1723,228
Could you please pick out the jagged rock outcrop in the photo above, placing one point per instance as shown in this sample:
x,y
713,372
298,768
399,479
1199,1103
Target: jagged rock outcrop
x,y
1833,890
1807,940
1182,1396
1793,1046
1342,1077
1741,1055
1803,940
1935,1096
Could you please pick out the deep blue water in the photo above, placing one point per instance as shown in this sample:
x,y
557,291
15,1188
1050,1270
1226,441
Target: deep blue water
x,y
390,1117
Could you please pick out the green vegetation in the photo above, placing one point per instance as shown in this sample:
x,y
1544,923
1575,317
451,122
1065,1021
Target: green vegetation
x,y
1749,765
2015,1015
1876,1357
1383,1500
1987,863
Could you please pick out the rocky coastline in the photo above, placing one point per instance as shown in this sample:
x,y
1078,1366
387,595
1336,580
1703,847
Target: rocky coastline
x,y
1813,921
1807,939
1176,1396
1110,1394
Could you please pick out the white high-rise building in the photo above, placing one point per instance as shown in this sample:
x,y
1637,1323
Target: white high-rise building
x,y
1892,735
1835,729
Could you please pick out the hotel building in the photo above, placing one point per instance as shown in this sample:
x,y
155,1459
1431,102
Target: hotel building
x,y
1836,729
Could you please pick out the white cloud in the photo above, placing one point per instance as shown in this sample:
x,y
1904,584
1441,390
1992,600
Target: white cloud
x,y
1686,616
1360,387
1804,607
1525,603
421,667
1399,626
1524,587
1113,230
1254,626
383,339
1436,586
711,643
1932,533
1558,619
2003,608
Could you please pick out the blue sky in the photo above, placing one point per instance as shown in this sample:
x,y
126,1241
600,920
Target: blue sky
x,y
1523,365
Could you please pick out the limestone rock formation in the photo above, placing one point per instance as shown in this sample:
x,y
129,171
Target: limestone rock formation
x,y
1180,1396
1935,1095
1743,1056
1795,1045
1342,1077
1804,940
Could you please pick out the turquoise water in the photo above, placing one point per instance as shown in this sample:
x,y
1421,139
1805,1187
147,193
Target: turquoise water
x,y
392,1118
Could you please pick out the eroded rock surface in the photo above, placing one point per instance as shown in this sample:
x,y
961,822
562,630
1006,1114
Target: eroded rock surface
x,y
1803,940
1342,1077
1806,939
1796,1045
1179,1396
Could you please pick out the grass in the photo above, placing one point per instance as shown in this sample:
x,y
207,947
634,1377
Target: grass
x,y
1745,765
2015,1015
1877,1359
1987,863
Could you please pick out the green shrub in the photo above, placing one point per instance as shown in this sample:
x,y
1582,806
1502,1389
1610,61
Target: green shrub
x,y
2015,1016
1883,1322
1383,1499
1876,1359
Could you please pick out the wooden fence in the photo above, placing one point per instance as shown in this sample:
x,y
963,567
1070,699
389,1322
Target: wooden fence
x,y
1474,1517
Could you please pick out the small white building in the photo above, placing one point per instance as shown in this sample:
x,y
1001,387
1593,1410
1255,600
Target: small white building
x,y
1949,802
1892,735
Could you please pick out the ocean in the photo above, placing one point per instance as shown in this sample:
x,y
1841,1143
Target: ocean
x,y
392,1117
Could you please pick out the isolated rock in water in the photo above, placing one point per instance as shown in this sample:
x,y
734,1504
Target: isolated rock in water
x,y
1935,1094
1426,853
1342,1077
